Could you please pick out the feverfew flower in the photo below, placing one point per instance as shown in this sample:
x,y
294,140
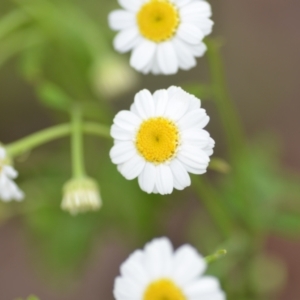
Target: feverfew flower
x,y
8,188
164,35
81,195
161,139
157,272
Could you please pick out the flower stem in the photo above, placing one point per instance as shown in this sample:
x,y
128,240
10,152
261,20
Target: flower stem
x,y
212,201
229,116
47,135
77,142
216,256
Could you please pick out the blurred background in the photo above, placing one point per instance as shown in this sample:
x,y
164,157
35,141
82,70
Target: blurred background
x,y
46,252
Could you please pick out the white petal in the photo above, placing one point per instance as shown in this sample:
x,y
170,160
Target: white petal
x,y
161,99
10,172
196,137
178,105
2,153
132,5
164,179
181,176
190,33
158,258
209,148
201,9
122,152
121,19
144,104
133,267
142,55
120,134
132,168
126,289
127,120
166,58
186,60
193,159
195,118
188,265
198,50
126,39
202,286
147,178
181,3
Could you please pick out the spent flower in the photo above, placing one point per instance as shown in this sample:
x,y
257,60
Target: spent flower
x,y
164,35
158,272
8,188
161,139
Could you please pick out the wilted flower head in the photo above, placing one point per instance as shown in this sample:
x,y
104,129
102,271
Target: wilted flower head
x,y
112,76
161,139
8,188
164,35
158,272
81,195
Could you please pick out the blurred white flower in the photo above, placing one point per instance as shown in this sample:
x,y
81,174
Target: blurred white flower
x,y
157,272
8,188
81,195
164,35
111,77
161,139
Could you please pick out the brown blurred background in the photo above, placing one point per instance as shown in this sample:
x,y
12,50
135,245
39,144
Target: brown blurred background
x,y
261,51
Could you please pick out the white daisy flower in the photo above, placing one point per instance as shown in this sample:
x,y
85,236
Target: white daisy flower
x,y
157,272
161,139
164,35
8,188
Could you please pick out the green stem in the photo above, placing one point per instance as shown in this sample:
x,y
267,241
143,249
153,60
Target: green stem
x,y
216,256
47,135
77,142
212,201
228,113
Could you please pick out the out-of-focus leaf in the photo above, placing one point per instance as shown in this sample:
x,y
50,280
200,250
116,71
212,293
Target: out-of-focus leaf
x,y
201,91
31,63
219,165
18,42
53,96
266,266
11,22
257,187
30,298
287,224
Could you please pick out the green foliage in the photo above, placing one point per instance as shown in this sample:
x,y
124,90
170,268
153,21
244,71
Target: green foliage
x,y
30,298
52,96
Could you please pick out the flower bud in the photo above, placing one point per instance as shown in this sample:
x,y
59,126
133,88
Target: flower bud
x,y
81,195
112,76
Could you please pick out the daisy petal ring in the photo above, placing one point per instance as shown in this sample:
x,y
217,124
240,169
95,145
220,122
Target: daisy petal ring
x,y
157,272
161,139
164,35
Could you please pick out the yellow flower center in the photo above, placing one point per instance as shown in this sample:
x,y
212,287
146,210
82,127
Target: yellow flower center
x,y
163,289
157,139
158,20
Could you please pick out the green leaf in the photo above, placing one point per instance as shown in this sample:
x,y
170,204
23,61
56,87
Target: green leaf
x,y
53,96
11,22
287,224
